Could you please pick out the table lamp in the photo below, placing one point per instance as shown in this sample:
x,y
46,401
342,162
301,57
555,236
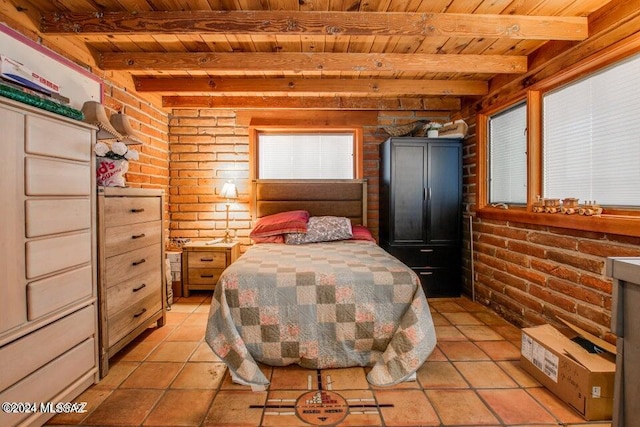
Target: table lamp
x,y
230,192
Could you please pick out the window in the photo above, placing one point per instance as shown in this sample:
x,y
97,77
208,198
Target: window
x,y
305,155
591,138
582,141
331,153
508,156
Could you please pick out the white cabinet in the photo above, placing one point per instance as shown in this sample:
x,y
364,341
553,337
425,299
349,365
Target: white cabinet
x,y
48,312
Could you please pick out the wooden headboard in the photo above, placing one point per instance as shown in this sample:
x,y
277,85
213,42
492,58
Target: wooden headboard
x,y
332,197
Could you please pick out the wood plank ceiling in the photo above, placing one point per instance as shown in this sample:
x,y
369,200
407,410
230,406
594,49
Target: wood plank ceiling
x,y
369,54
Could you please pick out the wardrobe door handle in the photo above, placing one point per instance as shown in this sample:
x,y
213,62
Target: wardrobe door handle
x,y
427,193
137,210
142,286
138,236
134,263
140,313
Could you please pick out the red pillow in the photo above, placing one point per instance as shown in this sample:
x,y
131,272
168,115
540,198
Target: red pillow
x,y
279,238
281,223
360,232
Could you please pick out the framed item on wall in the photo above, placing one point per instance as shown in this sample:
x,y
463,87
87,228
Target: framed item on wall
x,y
71,80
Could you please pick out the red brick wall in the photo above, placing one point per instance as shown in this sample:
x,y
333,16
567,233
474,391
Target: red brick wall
x,y
208,147
151,125
533,274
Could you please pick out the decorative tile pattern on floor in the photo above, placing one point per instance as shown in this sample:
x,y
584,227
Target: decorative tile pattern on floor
x,y
170,377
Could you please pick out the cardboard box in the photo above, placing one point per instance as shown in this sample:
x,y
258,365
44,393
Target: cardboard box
x,y
582,379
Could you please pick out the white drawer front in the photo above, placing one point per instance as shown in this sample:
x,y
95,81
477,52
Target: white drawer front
x,y
131,291
57,139
57,216
129,210
44,177
57,253
126,238
47,295
137,263
50,380
19,359
12,298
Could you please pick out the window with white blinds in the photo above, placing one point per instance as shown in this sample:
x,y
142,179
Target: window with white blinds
x,y
508,156
306,156
591,138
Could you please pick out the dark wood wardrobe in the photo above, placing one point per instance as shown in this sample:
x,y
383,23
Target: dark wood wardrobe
x,y
421,209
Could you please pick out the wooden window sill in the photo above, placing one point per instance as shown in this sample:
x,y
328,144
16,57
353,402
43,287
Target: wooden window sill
x,y
605,223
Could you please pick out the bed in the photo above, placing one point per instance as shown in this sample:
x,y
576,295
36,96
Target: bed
x,y
321,305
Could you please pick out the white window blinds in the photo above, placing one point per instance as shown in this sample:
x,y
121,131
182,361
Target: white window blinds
x,y
508,156
591,138
306,156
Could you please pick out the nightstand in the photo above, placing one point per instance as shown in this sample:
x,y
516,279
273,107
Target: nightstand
x,y
202,264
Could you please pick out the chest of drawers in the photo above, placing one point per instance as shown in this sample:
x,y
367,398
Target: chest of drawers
x,y
202,264
132,290
48,313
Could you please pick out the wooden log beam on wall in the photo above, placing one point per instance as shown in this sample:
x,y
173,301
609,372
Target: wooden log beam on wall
x,y
315,103
319,23
617,22
298,62
309,118
302,87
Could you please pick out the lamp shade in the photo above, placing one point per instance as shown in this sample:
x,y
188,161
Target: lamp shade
x,y
229,191
94,114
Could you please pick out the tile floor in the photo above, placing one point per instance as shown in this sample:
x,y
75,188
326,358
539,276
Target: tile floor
x,y
170,377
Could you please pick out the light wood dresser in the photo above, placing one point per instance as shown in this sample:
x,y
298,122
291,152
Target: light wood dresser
x,y
203,263
48,313
131,288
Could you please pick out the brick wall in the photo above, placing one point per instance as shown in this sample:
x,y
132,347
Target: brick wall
x,y
151,125
208,147
533,274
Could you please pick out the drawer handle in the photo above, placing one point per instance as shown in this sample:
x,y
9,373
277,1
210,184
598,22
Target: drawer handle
x,y
426,250
426,273
206,276
138,236
139,262
144,285
206,259
140,313
138,210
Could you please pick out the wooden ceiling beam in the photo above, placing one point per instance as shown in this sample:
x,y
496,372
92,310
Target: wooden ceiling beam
x,y
298,62
278,22
314,103
302,87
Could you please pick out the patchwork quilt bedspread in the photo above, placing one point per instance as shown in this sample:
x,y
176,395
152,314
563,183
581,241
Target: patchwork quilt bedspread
x,y
320,305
